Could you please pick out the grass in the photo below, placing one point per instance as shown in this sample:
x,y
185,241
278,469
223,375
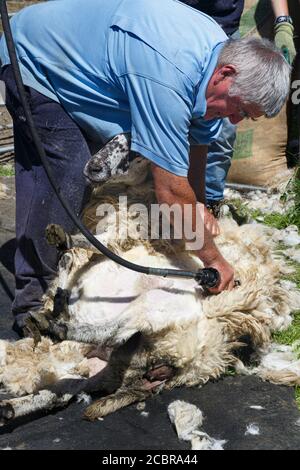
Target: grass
x,y
291,336
7,170
292,216
242,214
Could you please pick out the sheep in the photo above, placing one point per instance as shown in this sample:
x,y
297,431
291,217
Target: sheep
x,y
139,322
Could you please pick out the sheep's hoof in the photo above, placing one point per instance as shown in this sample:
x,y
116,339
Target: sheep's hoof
x,y
6,413
58,331
94,411
40,320
35,324
57,236
104,407
31,330
60,307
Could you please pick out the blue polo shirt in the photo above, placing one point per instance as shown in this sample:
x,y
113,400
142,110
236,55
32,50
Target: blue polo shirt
x,y
139,66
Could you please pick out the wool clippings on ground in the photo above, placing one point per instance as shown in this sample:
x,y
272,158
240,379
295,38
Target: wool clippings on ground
x,y
187,419
252,430
84,398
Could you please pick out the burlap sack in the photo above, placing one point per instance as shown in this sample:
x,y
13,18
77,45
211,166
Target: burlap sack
x,y
259,152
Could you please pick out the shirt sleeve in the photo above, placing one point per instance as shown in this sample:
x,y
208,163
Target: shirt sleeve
x,y
160,123
205,132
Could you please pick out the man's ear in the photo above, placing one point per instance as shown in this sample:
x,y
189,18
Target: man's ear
x,y
224,72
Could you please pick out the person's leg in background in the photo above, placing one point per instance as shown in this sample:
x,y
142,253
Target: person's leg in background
x,y
36,204
218,163
293,108
219,159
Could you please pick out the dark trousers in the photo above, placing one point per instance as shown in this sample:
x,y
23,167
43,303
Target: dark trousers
x,y
36,204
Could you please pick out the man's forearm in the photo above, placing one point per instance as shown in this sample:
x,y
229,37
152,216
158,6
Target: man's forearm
x,y
197,170
173,190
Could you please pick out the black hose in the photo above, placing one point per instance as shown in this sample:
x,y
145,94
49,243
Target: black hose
x,y
208,277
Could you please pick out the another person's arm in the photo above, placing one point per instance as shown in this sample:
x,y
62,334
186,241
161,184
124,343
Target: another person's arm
x,y
284,29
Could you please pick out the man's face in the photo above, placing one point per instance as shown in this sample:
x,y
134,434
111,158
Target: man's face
x,y
221,105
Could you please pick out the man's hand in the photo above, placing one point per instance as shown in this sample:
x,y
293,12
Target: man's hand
x,y
171,189
284,40
226,274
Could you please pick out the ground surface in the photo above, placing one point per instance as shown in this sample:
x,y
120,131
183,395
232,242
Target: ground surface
x,y
225,404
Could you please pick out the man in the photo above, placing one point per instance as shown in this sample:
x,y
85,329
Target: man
x,y
104,67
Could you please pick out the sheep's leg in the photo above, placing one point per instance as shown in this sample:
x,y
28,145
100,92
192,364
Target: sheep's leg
x,y
56,235
39,322
55,396
63,241
114,402
17,407
59,394
101,352
104,335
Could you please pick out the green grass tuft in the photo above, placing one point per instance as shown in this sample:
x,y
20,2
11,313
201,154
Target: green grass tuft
x,y
7,170
291,335
292,216
277,220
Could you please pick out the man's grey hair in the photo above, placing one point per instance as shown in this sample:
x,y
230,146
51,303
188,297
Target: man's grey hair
x,y
263,75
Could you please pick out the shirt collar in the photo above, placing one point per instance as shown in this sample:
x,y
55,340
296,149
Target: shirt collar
x,y
200,102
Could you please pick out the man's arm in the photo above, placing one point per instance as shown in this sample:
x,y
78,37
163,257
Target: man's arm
x,y
171,189
196,174
196,178
284,30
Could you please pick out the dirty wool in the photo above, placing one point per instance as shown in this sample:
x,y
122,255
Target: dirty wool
x,y
175,321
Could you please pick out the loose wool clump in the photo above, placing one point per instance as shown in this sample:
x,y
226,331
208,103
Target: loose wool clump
x,y
187,420
3,191
145,321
